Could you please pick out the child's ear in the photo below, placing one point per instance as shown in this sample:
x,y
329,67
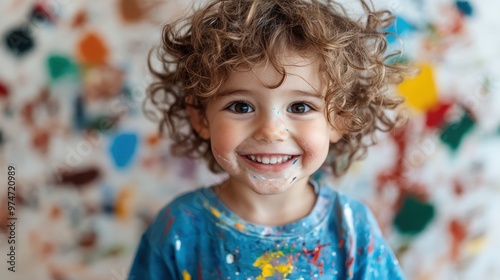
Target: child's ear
x,y
336,131
335,134
197,119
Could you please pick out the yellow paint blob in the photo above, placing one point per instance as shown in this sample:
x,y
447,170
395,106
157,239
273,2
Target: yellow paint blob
x,y
476,245
186,275
125,201
215,212
420,92
268,269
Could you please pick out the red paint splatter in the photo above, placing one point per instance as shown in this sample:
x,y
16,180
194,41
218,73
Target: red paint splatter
x,y
371,245
79,20
349,262
170,222
341,243
458,232
458,188
40,140
435,116
200,271
315,256
397,175
41,12
4,91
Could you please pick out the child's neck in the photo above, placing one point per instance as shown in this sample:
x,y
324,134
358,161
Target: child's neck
x,y
271,210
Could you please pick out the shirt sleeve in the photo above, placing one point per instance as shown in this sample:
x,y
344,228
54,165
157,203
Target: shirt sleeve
x,y
149,264
380,262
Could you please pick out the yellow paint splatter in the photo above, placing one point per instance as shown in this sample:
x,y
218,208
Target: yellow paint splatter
x,y
186,275
268,269
124,206
476,245
420,92
215,212
239,226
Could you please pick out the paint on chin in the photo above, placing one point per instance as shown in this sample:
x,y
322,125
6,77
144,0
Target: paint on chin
x,y
263,183
269,183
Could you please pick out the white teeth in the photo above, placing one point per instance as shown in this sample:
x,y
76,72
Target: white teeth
x,y
269,160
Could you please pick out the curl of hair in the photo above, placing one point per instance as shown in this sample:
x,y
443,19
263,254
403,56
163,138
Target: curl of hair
x,y
198,54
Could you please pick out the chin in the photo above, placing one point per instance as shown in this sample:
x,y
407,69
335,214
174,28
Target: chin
x,y
269,186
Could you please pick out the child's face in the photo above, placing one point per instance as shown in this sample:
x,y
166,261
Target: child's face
x,y
270,139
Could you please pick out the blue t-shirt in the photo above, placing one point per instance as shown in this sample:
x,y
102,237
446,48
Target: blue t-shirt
x,y
197,237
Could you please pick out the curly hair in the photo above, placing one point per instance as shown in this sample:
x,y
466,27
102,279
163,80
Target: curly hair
x,y
199,52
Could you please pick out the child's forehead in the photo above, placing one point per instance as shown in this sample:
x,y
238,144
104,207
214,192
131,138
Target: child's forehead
x,y
298,72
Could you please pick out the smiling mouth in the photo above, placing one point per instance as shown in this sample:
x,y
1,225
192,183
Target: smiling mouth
x,y
270,160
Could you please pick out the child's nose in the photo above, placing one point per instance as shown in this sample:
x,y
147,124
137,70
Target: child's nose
x,y
271,129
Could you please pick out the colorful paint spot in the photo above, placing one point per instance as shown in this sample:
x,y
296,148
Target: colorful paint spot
x,y
272,263
435,116
186,275
60,66
92,49
398,28
131,10
239,226
453,134
464,7
80,178
124,203
41,14
420,92
79,20
123,148
20,40
4,90
215,212
413,216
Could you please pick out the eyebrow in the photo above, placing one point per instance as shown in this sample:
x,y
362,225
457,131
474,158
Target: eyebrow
x,y
224,93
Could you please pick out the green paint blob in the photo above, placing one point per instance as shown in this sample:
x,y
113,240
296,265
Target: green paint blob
x,y
60,66
453,134
413,216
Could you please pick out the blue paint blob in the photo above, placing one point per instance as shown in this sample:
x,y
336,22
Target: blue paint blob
x,y
19,40
398,28
295,161
123,148
464,7
79,114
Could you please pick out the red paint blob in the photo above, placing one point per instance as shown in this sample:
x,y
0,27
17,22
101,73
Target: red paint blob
x,y
435,116
4,91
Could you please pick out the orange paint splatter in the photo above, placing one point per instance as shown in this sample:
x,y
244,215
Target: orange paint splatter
x,y
153,139
92,49
239,226
458,233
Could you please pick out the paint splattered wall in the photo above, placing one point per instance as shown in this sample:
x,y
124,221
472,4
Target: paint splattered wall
x,y
92,171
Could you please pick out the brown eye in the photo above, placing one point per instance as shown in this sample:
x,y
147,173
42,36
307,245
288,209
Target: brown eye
x,y
240,107
299,108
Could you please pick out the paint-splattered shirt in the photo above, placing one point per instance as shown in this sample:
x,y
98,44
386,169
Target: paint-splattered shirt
x,y
197,237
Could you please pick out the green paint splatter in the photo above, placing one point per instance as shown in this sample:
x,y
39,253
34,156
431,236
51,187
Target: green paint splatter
x,y
413,216
60,66
453,134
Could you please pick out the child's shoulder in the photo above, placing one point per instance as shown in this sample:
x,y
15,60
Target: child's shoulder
x,y
351,214
182,215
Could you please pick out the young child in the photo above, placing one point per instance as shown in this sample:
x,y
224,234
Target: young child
x,y
269,91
